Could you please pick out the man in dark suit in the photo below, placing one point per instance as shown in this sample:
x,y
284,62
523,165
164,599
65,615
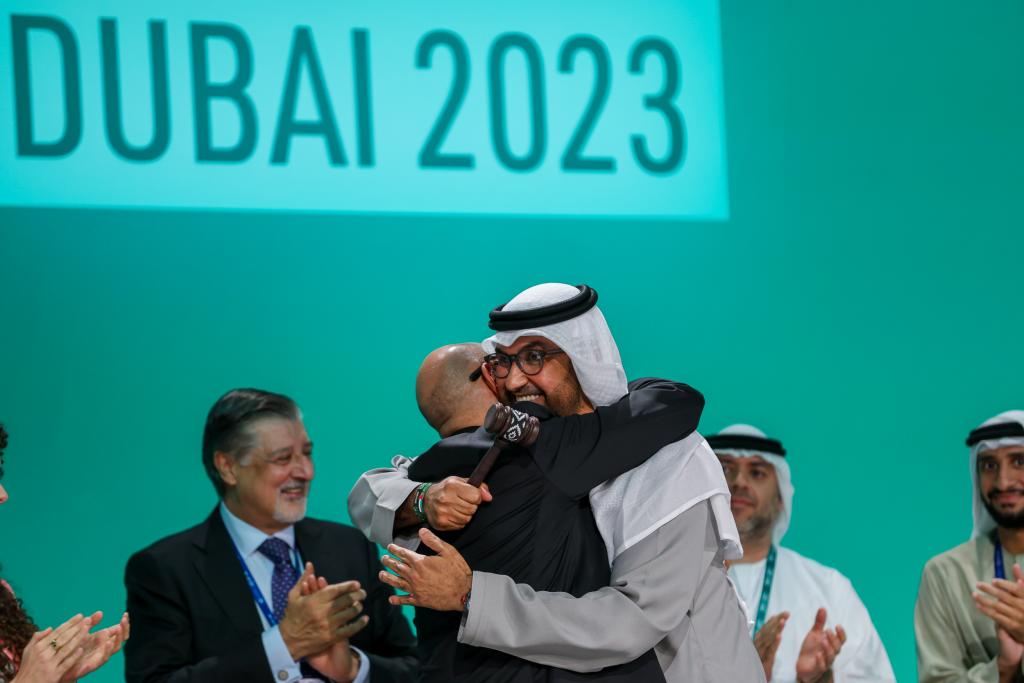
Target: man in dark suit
x,y
221,602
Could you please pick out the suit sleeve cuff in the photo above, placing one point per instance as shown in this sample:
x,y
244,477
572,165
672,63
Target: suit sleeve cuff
x,y
282,667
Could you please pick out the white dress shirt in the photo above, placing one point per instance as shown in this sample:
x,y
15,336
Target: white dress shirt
x,y
247,540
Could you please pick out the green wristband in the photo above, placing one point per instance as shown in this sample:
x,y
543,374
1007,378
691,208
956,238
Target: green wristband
x,y
418,503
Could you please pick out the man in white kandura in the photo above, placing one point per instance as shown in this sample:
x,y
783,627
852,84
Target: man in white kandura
x,y
791,600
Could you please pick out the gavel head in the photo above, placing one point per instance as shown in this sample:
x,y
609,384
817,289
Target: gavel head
x,y
511,425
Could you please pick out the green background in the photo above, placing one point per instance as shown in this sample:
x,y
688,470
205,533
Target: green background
x,y
861,304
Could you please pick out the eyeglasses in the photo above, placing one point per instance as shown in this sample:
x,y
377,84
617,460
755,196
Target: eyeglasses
x,y
530,361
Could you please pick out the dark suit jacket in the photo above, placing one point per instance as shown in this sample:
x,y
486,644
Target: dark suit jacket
x,y
194,618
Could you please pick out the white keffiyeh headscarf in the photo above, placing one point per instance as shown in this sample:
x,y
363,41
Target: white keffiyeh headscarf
x,y
983,522
586,339
782,474
679,476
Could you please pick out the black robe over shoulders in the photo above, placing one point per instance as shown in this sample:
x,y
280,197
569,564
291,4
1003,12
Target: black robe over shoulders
x,y
539,529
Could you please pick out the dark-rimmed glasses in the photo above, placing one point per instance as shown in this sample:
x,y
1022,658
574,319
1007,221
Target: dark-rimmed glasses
x,y
530,361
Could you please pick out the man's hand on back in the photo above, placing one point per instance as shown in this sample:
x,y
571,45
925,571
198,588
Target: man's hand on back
x,y
312,623
440,582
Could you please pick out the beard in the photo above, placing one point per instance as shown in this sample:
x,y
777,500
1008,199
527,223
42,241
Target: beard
x,y
567,399
1007,520
290,512
757,526
761,524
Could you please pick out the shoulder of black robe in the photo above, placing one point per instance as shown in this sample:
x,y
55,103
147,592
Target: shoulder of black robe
x,y
579,452
501,529
458,454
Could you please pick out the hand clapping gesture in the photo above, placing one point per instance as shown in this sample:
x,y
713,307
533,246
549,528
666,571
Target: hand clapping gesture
x,y
819,650
767,639
98,647
1005,606
338,662
69,651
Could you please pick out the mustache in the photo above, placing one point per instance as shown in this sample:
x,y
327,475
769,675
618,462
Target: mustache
x,y
743,493
996,492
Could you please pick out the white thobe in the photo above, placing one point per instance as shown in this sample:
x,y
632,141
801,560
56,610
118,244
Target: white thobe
x,y
802,586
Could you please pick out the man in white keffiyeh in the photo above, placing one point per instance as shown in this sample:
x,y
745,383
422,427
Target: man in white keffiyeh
x,y
666,524
638,503
809,623
969,617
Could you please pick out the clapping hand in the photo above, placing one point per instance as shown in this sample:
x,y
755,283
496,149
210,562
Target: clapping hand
x,y
1006,607
767,639
1007,610
1010,654
52,652
314,622
819,650
98,647
337,662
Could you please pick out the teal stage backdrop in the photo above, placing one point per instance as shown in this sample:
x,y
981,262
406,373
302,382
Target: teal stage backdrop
x,y
859,299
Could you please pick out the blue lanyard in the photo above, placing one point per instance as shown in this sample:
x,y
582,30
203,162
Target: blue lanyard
x,y
257,594
997,558
766,589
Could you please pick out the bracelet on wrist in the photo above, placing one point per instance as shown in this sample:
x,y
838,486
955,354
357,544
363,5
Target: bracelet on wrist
x,y
418,502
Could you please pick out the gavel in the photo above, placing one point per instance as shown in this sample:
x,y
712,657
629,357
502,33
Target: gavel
x,y
510,427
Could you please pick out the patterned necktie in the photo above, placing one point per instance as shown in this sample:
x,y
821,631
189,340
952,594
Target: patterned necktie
x,y
285,574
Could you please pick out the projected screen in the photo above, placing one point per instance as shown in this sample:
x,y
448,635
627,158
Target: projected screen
x,y
581,108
